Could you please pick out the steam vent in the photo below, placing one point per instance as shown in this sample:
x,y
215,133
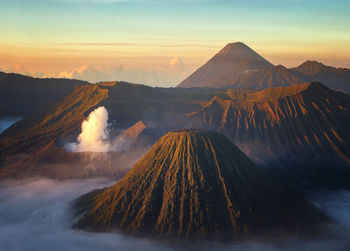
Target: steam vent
x,y
196,184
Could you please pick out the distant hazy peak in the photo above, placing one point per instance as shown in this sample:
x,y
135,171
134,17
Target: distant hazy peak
x,y
312,67
240,51
229,62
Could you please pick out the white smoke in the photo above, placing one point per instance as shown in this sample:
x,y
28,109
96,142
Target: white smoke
x,y
94,133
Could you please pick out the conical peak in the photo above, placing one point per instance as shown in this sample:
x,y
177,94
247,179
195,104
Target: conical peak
x,y
195,139
190,131
311,67
236,45
238,50
312,62
281,67
225,66
194,184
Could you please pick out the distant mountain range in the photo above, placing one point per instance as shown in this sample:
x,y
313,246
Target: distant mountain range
x,y
238,66
21,95
299,134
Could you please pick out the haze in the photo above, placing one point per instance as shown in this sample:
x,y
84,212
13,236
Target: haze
x,y
34,217
162,42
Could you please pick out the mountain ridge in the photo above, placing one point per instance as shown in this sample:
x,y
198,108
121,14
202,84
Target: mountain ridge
x,y
238,66
195,184
301,129
31,93
223,67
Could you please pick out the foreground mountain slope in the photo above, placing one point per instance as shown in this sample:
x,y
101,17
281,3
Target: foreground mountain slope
x,y
60,118
196,184
221,70
300,130
31,147
21,95
23,145
299,134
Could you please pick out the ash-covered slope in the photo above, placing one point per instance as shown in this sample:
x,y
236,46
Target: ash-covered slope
x,y
34,146
57,119
301,131
221,70
196,184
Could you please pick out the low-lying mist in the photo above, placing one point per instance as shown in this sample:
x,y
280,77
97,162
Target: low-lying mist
x,y
35,216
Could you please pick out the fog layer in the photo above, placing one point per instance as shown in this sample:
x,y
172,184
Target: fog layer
x,y
35,216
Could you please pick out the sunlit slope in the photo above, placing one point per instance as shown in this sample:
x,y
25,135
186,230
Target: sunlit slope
x,y
266,78
34,146
238,66
45,126
300,131
336,78
296,127
196,184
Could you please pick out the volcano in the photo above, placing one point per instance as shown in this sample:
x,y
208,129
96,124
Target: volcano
x,y
195,184
300,132
335,78
267,78
225,66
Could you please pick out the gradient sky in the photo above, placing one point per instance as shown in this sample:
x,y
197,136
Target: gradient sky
x,y
55,36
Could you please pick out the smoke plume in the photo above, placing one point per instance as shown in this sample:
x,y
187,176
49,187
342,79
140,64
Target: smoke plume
x,y
94,133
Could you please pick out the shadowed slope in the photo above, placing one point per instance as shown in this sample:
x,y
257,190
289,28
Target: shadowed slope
x,y
267,78
31,146
60,118
195,184
21,95
336,78
27,141
302,127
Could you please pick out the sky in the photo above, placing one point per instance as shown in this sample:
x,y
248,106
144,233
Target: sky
x,y
160,42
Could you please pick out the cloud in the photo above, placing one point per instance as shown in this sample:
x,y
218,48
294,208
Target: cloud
x,y
169,74
35,215
21,69
192,43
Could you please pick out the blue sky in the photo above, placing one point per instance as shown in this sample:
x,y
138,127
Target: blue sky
x,y
132,32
